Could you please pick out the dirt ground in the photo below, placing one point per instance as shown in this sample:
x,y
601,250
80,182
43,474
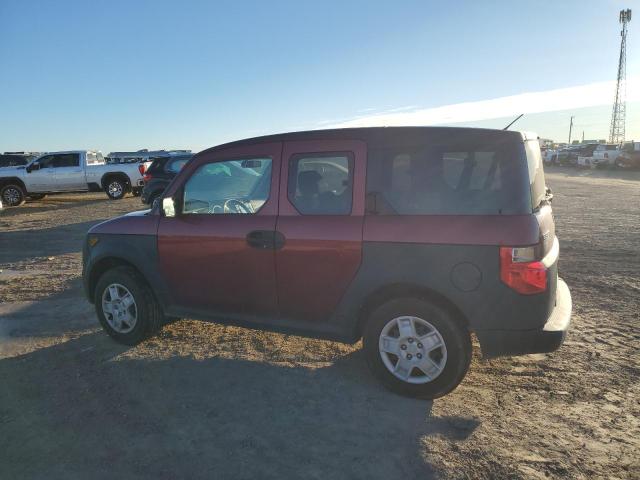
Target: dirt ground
x,y
207,401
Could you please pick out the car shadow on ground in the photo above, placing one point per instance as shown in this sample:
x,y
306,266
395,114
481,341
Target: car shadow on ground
x,y
89,408
51,202
19,245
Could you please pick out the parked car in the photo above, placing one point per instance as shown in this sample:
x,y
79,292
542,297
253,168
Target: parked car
x,y
410,238
160,173
629,159
605,155
9,159
71,171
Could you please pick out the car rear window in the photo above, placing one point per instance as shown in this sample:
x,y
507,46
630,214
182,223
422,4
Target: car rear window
x,y
458,176
176,164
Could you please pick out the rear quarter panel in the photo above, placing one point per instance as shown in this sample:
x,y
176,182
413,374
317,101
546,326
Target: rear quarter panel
x,y
454,257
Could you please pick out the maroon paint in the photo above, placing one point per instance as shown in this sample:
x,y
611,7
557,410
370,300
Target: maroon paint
x,y
322,253
206,258
453,229
129,225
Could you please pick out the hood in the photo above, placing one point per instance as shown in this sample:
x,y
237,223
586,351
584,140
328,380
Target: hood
x,y
134,223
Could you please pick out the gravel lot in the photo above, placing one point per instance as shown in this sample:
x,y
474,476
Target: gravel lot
x,y
207,401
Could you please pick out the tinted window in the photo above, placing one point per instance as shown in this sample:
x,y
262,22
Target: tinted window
x,y
174,165
46,161
454,178
228,187
321,184
66,160
13,160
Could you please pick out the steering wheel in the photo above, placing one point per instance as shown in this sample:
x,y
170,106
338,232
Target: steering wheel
x,y
215,208
236,206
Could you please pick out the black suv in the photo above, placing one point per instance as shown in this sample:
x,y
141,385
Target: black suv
x,y
15,159
159,175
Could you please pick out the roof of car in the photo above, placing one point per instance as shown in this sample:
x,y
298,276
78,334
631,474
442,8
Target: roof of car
x,y
376,135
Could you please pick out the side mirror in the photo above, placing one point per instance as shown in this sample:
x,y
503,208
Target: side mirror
x,y
168,207
32,167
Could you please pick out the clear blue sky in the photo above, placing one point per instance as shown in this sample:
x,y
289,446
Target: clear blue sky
x,y
118,75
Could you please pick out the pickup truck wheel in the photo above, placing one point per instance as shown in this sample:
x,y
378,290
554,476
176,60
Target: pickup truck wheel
x,y
416,348
116,189
12,195
126,306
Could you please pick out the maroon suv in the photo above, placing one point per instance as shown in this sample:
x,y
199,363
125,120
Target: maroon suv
x,y
409,238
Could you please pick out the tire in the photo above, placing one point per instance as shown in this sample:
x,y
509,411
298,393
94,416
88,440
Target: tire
x,y
148,314
115,188
12,195
447,358
37,196
136,192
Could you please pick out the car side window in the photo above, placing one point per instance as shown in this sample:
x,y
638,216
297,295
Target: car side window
x,y
228,187
321,184
46,161
66,160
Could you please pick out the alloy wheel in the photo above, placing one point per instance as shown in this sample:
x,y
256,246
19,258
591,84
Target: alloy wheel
x,y
11,196
412,349
115,189
119,308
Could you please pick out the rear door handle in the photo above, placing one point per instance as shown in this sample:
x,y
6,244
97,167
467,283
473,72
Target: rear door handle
x,y
265,239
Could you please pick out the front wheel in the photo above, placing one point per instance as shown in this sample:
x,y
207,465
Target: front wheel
x,y
126,306
12,195
416,348
116,189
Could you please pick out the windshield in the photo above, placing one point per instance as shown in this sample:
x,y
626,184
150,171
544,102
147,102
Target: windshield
x,y
228,187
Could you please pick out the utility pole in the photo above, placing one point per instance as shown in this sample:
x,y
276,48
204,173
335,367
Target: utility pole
x,y
582,136
570,128
616,131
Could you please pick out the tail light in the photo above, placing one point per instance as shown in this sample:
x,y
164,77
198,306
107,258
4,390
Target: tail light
x,y
520,270
141,168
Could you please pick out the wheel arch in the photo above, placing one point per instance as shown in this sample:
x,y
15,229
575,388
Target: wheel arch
x,y
115,176
4,181
403,290
104,265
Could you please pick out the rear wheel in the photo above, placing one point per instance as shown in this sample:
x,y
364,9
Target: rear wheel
x,y
12,195
116,188
417,348
126,307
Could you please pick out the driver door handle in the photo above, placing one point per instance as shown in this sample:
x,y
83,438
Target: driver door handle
x,y
265,239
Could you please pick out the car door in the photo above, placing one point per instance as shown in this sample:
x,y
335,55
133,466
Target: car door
x,y
42,177
320,217
217,253
68,173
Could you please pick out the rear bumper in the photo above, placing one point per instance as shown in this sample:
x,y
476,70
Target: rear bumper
x,y
520,342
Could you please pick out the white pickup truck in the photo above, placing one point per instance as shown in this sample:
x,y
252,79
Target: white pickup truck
x,y
72,171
